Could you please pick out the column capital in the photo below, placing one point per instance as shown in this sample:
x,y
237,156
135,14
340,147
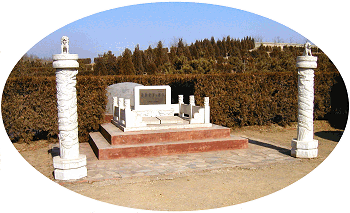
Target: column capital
x,y
307,62
61,61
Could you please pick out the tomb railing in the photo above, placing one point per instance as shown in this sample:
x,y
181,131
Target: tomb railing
x,y
126,116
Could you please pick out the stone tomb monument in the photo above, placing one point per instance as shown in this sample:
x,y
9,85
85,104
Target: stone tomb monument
x,y
145,123
152,110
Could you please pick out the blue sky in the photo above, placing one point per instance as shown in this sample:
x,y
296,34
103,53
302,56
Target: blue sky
x,y
146,24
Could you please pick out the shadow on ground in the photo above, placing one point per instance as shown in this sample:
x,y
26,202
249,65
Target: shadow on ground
x,y
54,151
330,135
271,146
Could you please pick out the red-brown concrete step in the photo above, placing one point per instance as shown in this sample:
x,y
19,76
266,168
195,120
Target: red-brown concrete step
x,y
105,151
97,141
108,118
115,136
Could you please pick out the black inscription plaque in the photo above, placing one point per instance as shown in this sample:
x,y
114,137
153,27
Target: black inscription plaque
x,y
152,96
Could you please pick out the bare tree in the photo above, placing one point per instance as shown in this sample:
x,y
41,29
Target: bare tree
x,y
258,38
175,41
278,39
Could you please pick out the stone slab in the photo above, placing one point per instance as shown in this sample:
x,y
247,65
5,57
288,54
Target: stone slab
x,y
117,137
170,120
151,120
105,151
179,164
160,103
152,96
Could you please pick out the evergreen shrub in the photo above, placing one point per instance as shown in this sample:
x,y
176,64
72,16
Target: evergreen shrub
x,y
29,108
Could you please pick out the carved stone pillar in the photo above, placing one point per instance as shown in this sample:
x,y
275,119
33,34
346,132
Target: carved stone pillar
x,y
192,103
70,164
304,146
114,105
129,120
121,107
206,110
181,102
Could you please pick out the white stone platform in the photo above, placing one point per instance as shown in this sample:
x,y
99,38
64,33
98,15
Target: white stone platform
x,y
163,123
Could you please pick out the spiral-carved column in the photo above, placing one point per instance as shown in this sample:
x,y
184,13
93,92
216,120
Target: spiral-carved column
x,y
70,164
67,113
305,104
304,146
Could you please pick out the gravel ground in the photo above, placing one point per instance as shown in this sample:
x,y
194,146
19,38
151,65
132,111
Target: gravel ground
x,y
202,189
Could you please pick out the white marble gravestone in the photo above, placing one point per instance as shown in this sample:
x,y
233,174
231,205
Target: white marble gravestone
x,y
304,146
69,164
122,90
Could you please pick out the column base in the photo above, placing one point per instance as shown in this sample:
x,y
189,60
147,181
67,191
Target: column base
x,y
304,149
69,169
70,174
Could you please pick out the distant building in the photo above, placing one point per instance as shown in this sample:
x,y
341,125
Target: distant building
x,y
281,45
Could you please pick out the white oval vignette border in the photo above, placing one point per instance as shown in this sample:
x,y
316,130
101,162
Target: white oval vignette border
x,y
24,189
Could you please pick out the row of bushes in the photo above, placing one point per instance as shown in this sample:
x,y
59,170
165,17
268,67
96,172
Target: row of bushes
x,y
29,108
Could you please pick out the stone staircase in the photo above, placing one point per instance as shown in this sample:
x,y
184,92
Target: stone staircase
x,y
112,143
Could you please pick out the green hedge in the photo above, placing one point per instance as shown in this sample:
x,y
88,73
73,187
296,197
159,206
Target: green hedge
x,y
29,107
251,99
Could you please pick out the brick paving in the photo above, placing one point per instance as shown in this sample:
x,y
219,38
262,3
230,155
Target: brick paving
x,y
258,153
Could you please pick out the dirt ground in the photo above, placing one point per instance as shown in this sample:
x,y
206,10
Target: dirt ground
x,y
200,190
